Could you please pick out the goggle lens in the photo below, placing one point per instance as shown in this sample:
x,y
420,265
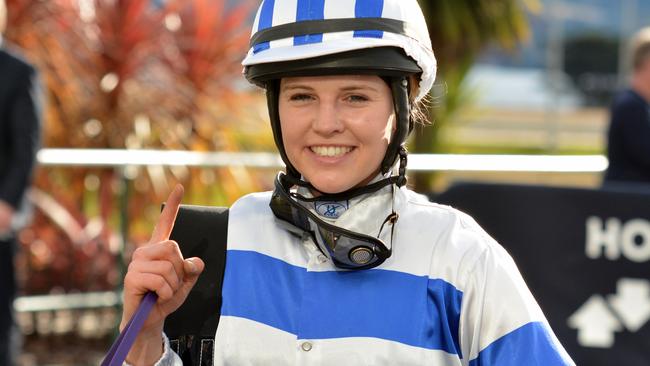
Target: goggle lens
x,y
361,255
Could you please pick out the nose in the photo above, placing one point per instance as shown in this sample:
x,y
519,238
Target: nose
x,y
327,120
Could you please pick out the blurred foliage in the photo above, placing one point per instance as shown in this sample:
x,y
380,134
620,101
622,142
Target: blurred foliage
x,y
459,30
130,74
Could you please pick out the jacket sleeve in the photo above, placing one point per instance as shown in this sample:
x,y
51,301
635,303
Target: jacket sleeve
x,y
634,120
24,121
501,323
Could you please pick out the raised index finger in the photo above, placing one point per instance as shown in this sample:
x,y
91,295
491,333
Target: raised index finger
x,y
167,217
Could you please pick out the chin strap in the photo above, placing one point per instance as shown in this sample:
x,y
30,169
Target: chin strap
x,y
400,180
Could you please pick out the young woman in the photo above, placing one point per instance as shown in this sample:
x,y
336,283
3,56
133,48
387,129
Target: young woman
x,y
341,263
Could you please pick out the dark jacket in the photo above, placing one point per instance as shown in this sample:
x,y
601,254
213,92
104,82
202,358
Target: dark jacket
x,y
629,140
20,111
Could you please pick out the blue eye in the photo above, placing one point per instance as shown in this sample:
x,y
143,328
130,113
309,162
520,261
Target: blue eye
x,y
357,98
300,97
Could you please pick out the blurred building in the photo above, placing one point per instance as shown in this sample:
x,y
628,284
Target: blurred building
x,y
575,55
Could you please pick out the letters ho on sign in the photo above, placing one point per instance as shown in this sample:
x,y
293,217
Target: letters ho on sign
x,y
614,238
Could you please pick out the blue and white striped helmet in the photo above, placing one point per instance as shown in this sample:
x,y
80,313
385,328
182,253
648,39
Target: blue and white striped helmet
x,y
289,30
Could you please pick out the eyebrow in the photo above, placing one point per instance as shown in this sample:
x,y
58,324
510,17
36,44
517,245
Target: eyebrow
x,y
365,87
295,86
289,87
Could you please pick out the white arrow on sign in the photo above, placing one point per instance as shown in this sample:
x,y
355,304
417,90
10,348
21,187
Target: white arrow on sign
x,y
632,302
595,323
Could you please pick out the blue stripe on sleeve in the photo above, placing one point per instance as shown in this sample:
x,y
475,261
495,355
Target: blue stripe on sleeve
x,y
369,9
446,301
530,345
266,21
390,305
309,10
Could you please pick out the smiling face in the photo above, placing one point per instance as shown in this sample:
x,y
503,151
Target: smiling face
x,y
336,129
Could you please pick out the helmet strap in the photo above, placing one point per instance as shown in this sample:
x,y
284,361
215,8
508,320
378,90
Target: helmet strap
x,y
401,172
273,104
400,89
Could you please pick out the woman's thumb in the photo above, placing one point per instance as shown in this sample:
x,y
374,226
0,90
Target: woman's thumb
x,y
193,268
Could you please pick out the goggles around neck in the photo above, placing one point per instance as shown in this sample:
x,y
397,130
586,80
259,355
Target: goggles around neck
x,y
348,249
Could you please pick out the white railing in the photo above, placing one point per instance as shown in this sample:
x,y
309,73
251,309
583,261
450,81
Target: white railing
x,y
417,162
89,300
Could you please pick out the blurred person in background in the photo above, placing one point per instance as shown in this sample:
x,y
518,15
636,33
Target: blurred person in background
x,y
20,111
629,130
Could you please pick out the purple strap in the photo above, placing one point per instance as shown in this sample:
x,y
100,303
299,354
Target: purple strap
x,y
123,343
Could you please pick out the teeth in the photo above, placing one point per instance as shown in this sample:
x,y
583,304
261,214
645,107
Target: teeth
x,y
330,151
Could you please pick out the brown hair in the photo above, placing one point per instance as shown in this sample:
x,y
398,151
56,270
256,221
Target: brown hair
x,y
419,108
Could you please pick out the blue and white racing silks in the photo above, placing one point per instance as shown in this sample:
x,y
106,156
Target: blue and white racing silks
x,y
449,295
273,13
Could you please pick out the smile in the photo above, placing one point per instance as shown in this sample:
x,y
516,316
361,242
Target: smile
x,y
330,151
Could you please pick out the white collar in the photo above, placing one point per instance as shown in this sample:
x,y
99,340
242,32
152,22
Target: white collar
x,y
362,214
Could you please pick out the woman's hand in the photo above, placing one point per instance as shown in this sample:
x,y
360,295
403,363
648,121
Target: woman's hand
x,y
158,266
